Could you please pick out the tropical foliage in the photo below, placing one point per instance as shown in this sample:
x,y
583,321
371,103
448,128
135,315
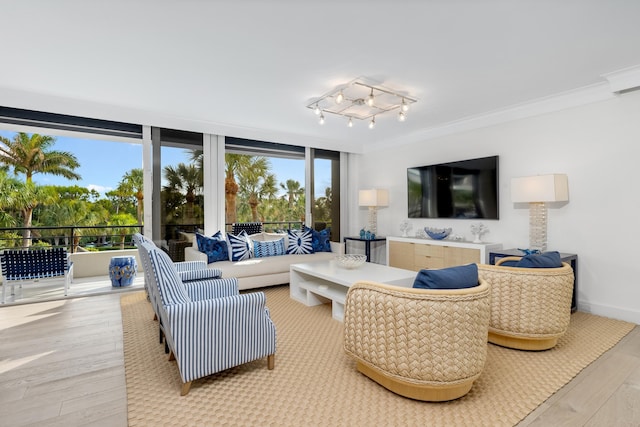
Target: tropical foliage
x,y
252,193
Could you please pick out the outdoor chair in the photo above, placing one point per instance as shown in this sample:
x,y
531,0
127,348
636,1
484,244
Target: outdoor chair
x,y
425,344
530,307
34,265
248,227
210,328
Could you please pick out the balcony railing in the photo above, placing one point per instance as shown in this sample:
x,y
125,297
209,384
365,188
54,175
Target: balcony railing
x,y
105,237
74,238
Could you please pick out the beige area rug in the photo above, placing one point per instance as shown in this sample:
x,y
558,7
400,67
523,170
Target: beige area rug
x,y
315,384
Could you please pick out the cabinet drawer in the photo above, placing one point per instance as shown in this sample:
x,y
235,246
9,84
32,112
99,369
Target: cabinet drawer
x,y
429,250
422,261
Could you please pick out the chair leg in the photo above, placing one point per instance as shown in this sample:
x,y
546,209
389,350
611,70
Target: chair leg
x,y
185,388
160,334
171,356
271,361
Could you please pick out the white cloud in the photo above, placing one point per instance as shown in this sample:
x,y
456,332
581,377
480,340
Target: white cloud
x,y
99,188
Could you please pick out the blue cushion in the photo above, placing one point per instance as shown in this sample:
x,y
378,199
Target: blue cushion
x,y
268,248
215,247
300,242
320,240
240,246
464,276
543,260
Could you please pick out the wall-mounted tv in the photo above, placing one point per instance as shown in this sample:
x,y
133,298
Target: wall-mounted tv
x,y
461,189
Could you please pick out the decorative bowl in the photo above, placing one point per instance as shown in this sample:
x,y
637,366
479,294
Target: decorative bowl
x,y
437,233
351,260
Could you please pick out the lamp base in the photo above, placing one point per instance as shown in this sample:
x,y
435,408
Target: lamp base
x,y
538,226
373,219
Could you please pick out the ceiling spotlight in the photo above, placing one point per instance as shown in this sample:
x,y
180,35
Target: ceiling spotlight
x,y
350,123
339,98
321,118
404,106
370,99
316,109
372,123
401,116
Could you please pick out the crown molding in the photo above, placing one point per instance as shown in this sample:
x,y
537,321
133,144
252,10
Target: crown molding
x,y
623,80
574,98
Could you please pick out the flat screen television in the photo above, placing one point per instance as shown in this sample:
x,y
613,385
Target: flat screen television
x,y
462,189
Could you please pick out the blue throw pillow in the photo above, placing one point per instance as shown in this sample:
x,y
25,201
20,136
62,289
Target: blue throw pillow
x,y
268,248
215,247
300,242
240,246
460,277
543,260
320,240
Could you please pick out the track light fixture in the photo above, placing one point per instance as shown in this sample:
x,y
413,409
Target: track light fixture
x,y
361,100
404,106
370,99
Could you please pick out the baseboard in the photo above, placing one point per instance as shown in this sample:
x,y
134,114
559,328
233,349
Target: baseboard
x,y
610,311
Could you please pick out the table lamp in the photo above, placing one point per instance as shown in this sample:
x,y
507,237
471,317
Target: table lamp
x,y
537,191
373,199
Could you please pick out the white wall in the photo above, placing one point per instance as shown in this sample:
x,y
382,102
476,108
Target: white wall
x,y
596,145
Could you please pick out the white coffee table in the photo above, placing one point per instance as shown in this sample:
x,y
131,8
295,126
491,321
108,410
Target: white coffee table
x,y
315,283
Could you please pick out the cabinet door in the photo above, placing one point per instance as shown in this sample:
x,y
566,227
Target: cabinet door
x,y
401,255
460,256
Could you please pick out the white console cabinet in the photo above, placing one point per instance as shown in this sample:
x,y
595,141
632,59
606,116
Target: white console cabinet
x,y
412,253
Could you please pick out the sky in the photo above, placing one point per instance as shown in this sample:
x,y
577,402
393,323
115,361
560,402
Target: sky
x,y
104,163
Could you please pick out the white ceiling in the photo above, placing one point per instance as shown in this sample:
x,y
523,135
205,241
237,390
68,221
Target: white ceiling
x,y
249,68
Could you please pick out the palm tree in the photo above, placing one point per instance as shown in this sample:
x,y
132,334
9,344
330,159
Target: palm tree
x,y
294,190
234,164
133,181
32,154
187,180
257,183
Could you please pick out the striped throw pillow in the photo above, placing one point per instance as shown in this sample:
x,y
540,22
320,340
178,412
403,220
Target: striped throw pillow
x,y
268,248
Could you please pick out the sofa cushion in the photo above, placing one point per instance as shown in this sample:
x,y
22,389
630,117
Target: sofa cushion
x,y
215,247
459,277
300,242
320,240
240,246
268,248
255,267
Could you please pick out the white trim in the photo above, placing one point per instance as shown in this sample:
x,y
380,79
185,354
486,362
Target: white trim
x,y
625,79
610,311
574,98
147,182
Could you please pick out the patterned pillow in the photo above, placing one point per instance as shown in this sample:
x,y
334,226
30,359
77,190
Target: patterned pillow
x,y
215,247
320,240
300,242
268,248
240,246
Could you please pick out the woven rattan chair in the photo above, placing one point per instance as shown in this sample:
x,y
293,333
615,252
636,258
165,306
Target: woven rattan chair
x,y
530,307
425,344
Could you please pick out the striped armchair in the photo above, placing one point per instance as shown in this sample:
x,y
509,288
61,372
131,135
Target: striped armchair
x,y
209,328
189,271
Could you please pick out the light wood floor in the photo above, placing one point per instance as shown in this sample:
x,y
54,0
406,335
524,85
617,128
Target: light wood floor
x,y
61,363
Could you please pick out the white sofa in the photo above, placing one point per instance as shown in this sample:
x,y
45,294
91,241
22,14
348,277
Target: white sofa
x,y
260,272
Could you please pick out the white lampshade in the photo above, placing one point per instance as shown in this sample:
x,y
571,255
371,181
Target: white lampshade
x,y
540,188
373,197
